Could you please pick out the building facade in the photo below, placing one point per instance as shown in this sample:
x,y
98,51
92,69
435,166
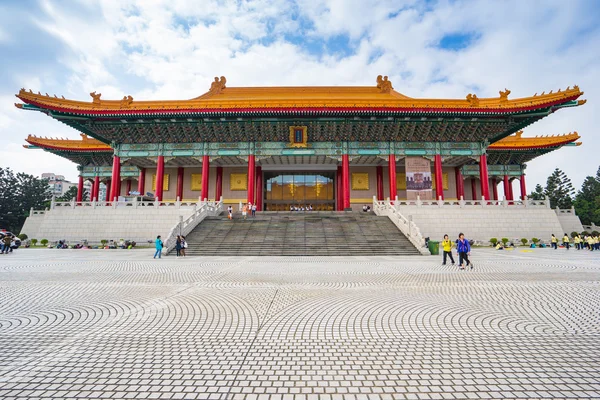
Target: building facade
x,y
331,148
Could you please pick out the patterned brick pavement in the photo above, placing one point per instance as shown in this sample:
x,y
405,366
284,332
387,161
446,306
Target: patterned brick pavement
x,y
118,324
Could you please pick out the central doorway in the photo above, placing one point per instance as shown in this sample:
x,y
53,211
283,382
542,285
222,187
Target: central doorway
x,y
285,190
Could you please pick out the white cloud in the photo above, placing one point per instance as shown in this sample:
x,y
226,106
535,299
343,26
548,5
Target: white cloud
x,y
172,50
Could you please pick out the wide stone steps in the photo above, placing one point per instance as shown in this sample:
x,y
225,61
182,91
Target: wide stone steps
x,y
299,234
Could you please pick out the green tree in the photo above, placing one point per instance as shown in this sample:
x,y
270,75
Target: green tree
x,y
559,190
538,193
69,195
587,201
18,194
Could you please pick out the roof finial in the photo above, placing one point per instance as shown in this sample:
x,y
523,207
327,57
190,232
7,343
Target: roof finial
x,y
95,97
504,95
218,85
473,100
383,84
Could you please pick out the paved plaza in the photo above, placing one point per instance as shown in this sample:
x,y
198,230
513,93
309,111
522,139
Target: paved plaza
x,y
118,324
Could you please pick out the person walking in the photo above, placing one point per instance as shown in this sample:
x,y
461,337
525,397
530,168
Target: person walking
x,y
230,213
447,248
464,251
566,241
244,211
253,210
6,240
554,242
178,246
184,245
159,246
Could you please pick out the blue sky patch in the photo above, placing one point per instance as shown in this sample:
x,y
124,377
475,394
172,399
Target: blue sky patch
x,y
457,41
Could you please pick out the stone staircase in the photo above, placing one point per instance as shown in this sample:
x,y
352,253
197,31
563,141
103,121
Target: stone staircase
x,y
299,234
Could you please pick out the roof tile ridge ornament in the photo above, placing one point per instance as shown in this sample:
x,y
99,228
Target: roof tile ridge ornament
x,y
218,85
383,84
473,100
126,101
96,98
504,96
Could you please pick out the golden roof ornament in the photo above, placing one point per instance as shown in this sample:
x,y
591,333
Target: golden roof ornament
x,y
126,101
473,100
218,85
95,97
383,84
504,95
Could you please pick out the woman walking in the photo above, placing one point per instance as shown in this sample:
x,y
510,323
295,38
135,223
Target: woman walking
x,y
554,242
464,251
447,247
178,246
159,246
184,245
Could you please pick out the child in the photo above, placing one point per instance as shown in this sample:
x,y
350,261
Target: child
x,y
464,250
447,247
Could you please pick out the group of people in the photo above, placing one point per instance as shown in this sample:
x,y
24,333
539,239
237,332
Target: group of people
x,y
180,246
590,242
8,243
463,247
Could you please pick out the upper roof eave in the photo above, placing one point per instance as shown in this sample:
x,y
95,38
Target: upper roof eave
x,y
517,142
300,98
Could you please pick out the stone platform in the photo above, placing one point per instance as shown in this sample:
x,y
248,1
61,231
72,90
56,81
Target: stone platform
x,y
118,324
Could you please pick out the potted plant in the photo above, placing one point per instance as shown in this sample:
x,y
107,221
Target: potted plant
x,y
504,241
104,241
494,241
524,241
44,242
34,242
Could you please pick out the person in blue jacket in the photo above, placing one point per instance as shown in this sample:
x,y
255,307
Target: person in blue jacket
x,y
464,251
159,247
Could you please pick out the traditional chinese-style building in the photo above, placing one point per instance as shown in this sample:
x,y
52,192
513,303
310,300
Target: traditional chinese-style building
x,y
331,147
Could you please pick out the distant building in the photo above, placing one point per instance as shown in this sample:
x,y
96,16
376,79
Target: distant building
x,y
58,184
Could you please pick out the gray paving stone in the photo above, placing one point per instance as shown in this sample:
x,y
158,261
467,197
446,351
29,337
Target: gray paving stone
x,y
117,324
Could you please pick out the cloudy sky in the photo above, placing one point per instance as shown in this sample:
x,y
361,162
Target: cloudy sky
x,y
171,49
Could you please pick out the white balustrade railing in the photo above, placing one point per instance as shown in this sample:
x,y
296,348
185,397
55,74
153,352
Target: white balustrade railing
x,y
118,204
184,227
526,203
406,226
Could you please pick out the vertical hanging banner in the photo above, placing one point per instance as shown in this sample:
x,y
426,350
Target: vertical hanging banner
x,y
418,178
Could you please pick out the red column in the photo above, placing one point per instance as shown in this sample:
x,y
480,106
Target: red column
x,y
346,180
392,177
439,178
483,177
80,189
179,192
510,190
160,172
251,180
495,188
115,189
109,187
142,181
506,189
219,185
460,183
379,182
474,188
523,188
96,188
127,187
205,175
259,188
339,189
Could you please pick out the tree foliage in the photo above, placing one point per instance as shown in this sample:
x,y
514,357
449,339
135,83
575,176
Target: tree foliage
x,y
559,190
587,200
538,193
18,194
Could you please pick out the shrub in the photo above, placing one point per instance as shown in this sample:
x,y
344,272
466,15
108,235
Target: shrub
x,y
535,240
493,241
44,242
22,236
524,241
104,241
595,233
504,241
585,233
34,241
574,234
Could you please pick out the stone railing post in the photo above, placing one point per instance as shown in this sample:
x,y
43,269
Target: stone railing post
x,y
504,202
419,203
483,202
526,201
461,202
178,202
53,202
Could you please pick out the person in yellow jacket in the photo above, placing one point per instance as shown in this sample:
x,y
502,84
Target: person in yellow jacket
x,y
566,241
447,248
554,242
577,241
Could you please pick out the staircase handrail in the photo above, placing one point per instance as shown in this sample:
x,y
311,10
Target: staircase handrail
x,y
406,226
183,228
